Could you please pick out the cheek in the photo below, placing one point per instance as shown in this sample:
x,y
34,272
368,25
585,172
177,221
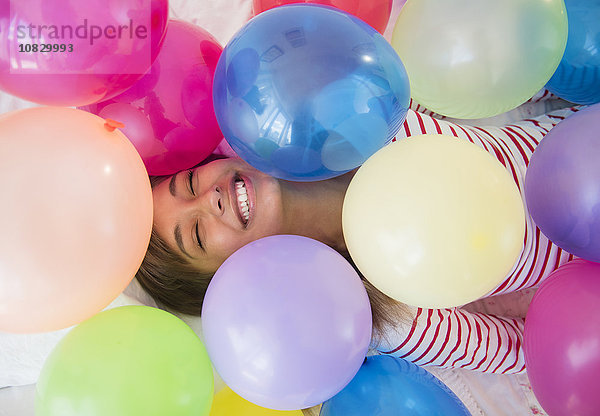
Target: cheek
x,y
163,211
226,242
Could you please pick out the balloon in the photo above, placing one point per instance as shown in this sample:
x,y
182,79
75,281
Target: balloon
x,y
286,322
227,403
561,184
433,221
307,92
374,12
73,52
389,386
479,58
131,360
562,339
169,114
76,217
577,78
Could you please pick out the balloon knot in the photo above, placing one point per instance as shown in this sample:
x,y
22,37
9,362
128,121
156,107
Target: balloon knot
x,y
111,124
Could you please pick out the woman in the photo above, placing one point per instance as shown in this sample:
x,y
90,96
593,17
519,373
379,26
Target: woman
x,y
203,215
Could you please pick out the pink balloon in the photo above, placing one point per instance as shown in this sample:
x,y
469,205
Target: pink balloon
x,y
562,340
169,114
74,52
76,217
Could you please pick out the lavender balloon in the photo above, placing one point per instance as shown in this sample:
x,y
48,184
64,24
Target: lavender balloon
x,y
286,322
562,184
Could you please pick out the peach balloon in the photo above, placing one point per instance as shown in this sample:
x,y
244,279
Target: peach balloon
x,y
76,217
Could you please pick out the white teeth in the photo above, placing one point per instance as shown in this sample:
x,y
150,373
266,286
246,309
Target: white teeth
x,y
242,197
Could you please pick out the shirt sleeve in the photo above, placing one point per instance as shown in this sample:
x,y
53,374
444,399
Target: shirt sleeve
x,y
454,338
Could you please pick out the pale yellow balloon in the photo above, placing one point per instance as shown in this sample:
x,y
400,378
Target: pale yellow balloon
x,y
479,58
227,403
433,221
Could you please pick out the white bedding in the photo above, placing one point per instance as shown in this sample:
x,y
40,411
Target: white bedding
x,y
21,357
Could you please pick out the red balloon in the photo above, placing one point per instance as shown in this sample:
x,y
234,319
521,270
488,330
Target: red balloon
x,y
375,12
562,340
168,114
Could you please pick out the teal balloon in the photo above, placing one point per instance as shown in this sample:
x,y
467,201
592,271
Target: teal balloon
x,y
390,386
127,361
577,78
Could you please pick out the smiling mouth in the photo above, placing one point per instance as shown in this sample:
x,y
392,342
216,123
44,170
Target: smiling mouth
x,y
243,202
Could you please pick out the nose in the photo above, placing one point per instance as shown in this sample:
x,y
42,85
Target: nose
x,y
212,201
216,200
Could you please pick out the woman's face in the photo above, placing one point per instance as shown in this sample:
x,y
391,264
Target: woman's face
x,y
207,213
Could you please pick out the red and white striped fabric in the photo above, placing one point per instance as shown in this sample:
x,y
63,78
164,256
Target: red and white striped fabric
x,y
455,337
540,96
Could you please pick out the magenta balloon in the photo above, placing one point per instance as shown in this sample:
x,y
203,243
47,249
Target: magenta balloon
x,y
562,340
169,114
286,322
562,184
74,52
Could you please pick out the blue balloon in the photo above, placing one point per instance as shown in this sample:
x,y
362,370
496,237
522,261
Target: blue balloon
x,y
306,92
577,78
390,386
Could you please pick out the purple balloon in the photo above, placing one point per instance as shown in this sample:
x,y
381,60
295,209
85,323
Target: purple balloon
x,y
562,340
286,322
562,184
74,52
168,114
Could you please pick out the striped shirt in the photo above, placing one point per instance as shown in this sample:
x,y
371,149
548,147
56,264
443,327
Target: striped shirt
x,y
458,338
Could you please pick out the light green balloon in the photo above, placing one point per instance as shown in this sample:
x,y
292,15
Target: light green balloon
x,y
127,361
479,58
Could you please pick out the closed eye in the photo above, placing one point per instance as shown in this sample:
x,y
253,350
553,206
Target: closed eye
x,y
191,183
198,237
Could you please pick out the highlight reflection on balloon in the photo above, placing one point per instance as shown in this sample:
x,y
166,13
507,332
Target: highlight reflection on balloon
x,y
306,92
